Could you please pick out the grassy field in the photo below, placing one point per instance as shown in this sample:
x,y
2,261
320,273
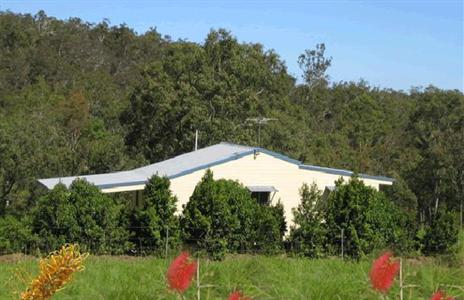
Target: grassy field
x,y
260,277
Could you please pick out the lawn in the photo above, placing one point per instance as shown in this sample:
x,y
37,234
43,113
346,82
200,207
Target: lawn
x,y
260,277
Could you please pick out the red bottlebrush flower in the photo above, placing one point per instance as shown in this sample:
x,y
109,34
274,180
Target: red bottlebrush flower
x,y
383,272
439,295
180,272
238,296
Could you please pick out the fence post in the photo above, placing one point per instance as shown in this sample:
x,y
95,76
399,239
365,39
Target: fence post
x,y
342,243
198,278
401,278
167,242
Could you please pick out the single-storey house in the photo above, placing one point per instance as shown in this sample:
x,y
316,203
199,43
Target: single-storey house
x,y
268,175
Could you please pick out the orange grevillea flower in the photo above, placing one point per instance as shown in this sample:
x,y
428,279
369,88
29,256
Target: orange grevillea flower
x,y
383,272
180,272
439,295
55,271
238,296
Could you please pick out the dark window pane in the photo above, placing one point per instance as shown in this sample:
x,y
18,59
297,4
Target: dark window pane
x,y
261,197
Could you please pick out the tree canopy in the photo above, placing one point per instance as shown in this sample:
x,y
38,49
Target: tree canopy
x,y
78,97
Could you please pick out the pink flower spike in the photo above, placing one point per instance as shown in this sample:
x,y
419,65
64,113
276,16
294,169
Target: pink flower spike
x,y
238,296
383,272
180,272
439,295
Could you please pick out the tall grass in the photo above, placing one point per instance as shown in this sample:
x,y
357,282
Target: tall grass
x,y
258,276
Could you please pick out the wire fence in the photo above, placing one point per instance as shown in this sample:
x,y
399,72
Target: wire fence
x,y
165,246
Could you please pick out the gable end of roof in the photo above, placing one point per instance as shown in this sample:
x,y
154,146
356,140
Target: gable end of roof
x,y
212,164
303,166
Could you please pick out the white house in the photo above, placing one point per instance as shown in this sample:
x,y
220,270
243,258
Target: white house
x,y
268,175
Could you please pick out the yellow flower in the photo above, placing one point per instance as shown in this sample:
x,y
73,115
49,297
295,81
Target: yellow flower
x,y
55,271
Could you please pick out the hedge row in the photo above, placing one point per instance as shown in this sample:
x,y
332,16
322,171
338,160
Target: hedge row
x,y
221,217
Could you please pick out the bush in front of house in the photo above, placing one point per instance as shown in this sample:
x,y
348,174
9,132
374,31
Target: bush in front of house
x,y
81,214
221,216
269,228
308,234
153,222
218,216
369,220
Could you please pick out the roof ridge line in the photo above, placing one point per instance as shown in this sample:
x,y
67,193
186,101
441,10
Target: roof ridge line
x,y
237,145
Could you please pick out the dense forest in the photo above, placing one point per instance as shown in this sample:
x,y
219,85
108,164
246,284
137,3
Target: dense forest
x,y
82,98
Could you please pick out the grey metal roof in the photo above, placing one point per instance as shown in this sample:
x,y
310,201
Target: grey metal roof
x,y
174,167
201,158
188,163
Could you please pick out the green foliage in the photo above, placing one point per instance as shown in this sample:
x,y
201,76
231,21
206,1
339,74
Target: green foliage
x,y
15,235
442,234
216,215
222,217
404,238
269,228
314,65
83,215
368,219
437,133
63,85
213,87
84,98
152,222
406,234
308,235
402,196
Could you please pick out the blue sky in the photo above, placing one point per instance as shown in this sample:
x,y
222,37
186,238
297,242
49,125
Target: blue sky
x,y
391,44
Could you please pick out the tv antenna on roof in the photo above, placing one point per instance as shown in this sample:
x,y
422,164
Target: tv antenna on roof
x,y
260,121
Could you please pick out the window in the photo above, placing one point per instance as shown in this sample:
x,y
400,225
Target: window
x,y
262,194
261,197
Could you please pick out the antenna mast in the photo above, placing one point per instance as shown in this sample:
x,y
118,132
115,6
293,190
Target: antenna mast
x,y
260,121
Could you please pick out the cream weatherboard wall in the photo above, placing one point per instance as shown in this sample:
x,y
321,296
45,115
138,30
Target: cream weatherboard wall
x,y
251,166
263,170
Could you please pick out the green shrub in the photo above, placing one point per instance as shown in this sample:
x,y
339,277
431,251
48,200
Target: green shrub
x,y
369,220
442,234
15,235
308,235
154,221
400,194
404,238
218,216
222,217
269,228
81,214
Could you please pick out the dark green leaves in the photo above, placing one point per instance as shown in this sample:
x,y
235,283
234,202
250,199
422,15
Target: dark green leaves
x,y
222,217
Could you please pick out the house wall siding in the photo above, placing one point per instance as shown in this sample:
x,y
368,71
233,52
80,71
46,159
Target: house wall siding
x,y
263,170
